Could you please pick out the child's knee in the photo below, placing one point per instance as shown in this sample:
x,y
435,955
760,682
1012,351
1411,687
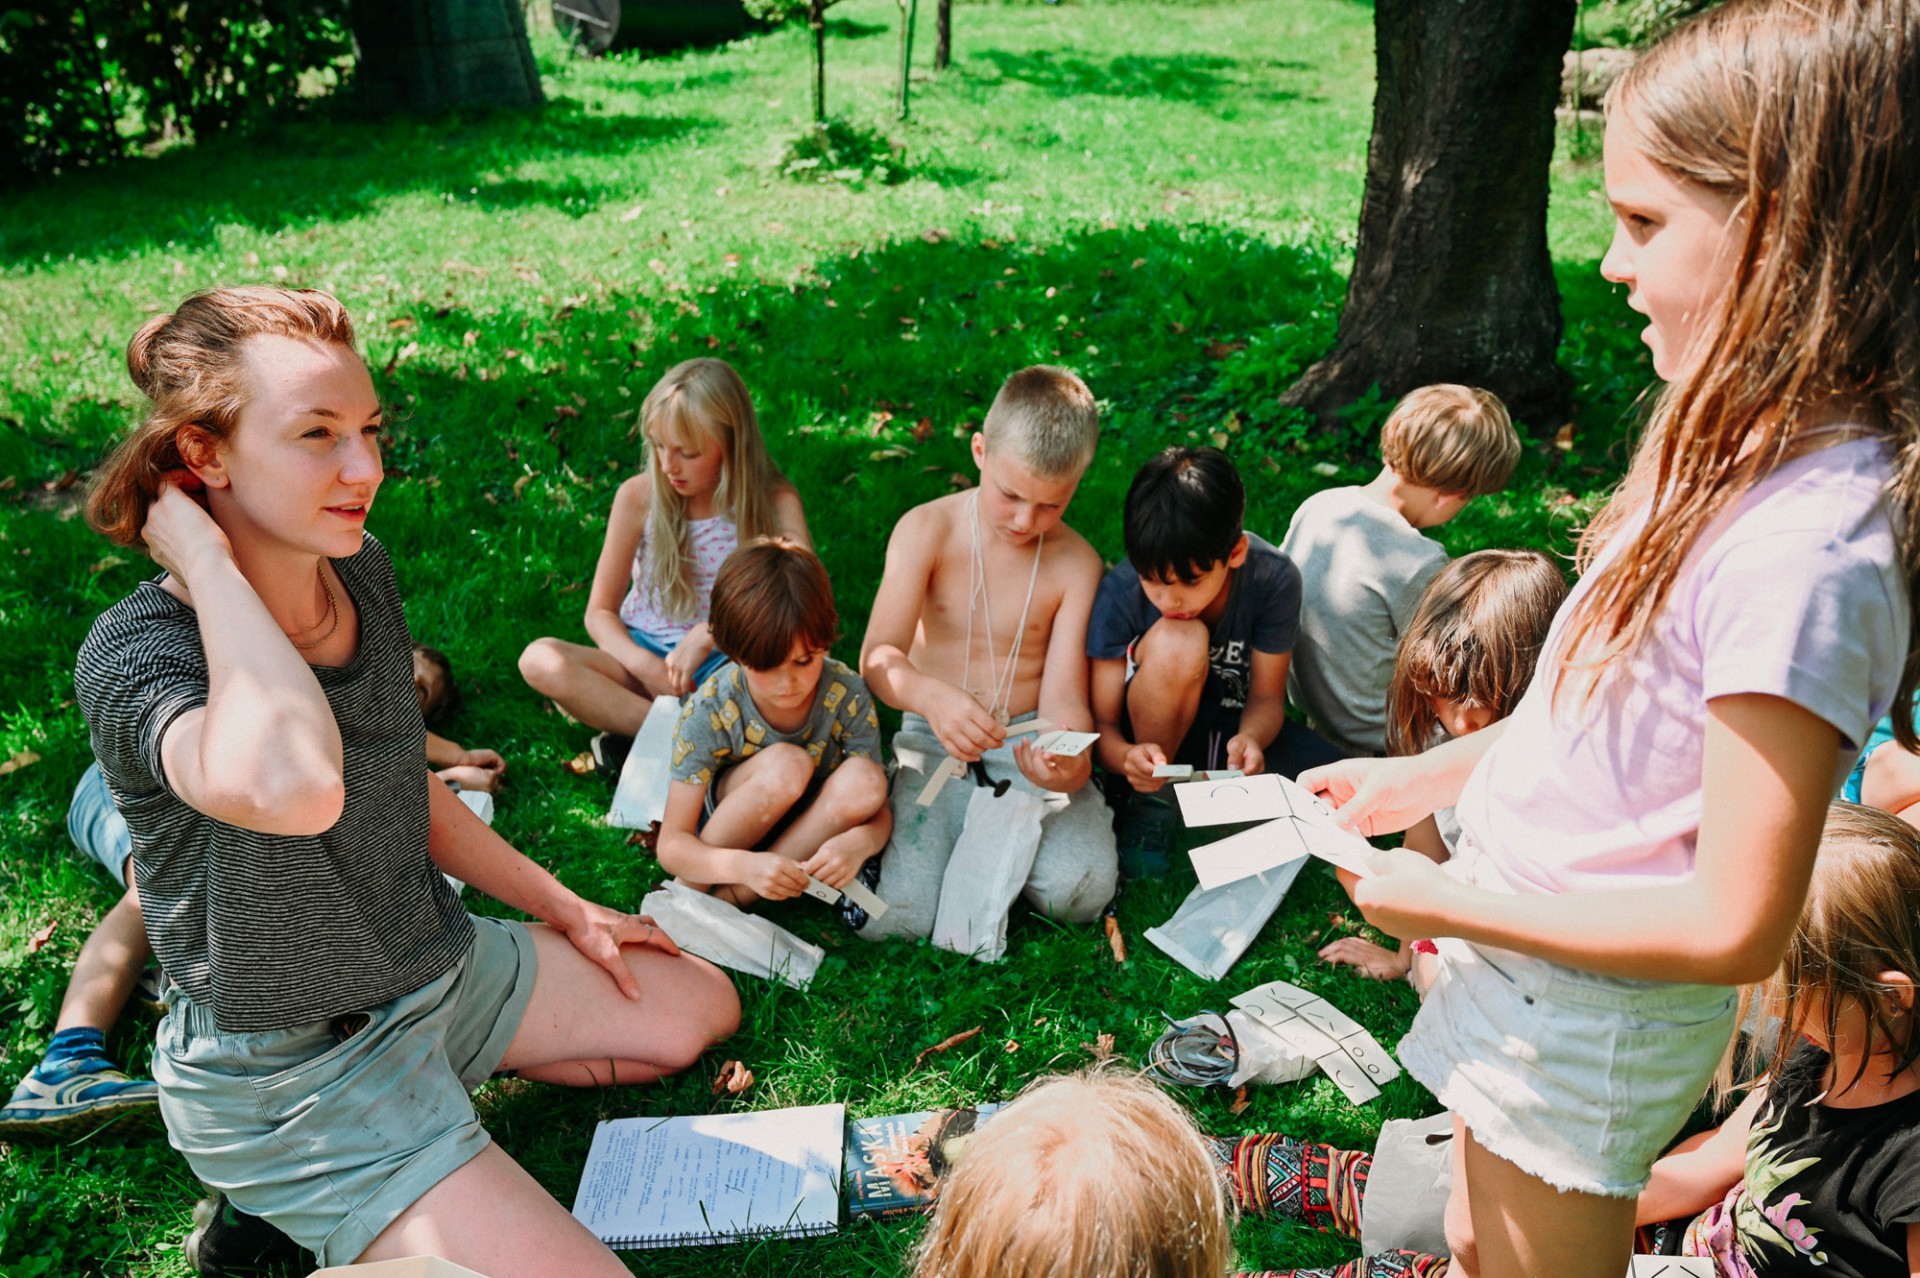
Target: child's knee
x,y
1174,649
543,664
1074,897
858,789
783,772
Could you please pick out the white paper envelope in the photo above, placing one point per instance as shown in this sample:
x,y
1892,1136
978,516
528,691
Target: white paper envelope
x,y
1257,798
1370,1057
1252,851
640,799
1348,1077
1285,993
1329,1019
1670,1267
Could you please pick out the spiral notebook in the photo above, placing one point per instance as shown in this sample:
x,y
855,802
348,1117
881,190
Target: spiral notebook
x,y
713,1178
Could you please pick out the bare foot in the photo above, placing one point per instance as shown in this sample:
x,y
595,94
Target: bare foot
x,y
1373,961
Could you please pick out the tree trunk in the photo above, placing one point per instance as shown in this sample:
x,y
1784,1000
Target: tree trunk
x,y
1451,277
429,55
818,21
942,35
909,9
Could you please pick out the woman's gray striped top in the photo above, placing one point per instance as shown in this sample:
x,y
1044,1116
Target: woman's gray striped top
x,y
271,931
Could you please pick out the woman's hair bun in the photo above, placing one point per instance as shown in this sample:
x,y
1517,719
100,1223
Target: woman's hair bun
x,y
140,355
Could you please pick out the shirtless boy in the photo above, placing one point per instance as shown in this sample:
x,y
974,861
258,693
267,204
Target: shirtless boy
x,y
981,621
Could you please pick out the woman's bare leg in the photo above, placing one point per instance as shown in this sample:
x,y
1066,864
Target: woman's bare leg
x,y
580,1031
495,1219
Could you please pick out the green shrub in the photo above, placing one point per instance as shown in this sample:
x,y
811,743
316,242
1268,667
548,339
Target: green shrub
x,y
94,80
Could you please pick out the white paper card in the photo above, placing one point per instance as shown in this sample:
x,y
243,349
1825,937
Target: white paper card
x,y
1670,1267
1066,744
1252,851
856,891
1256,798
641,797
1311,1026
1321,832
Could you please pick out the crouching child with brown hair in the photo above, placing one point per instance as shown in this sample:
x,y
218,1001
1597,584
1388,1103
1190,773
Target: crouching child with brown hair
x,y
776,771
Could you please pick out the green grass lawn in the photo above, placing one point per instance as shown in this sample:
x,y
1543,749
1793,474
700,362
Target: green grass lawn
x,y
1160,196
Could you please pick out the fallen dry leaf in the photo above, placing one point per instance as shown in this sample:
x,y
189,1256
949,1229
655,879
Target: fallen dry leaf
x,y
1012,1047
1563,438
1116,939
25,759
733,1079
1220,350
520,486
959,481
923,430
581,764
948,1043
38,940
1101,1046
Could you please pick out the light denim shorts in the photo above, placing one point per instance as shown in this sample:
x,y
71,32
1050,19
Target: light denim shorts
x,y
1577,1079
714,660
331,1130
96,826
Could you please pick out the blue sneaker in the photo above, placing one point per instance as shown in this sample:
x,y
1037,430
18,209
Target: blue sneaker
x,y
75,1098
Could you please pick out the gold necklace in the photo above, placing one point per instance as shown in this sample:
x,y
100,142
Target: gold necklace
x,y
333,610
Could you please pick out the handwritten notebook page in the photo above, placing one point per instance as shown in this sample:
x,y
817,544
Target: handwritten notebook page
x,y
714,1178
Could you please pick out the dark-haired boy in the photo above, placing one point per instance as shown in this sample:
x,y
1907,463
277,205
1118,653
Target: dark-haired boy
x,y
1190,641
776,759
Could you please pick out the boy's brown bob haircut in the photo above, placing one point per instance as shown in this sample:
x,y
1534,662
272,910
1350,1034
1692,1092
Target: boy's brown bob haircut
x,y
1453,439
1044,417
769,594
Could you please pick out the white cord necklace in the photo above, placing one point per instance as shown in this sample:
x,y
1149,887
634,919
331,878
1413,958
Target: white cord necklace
x,y
1001,681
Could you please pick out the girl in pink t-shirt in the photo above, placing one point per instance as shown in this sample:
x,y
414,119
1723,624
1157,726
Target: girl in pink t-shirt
x,y
1637,838
708,486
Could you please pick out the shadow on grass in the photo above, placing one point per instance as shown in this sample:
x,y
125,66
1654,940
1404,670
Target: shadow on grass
x,y
1202,79
311,170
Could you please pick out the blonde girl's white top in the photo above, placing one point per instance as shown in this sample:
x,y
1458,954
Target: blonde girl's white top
x,y
710,541
1796,592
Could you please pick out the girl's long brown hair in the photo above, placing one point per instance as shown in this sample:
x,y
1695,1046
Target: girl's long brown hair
x,y
703,403
1804,112
188,366
1474,638
1862,918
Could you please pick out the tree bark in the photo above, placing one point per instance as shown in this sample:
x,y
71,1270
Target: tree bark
x,y
1451,279
942,35
817,20
429,55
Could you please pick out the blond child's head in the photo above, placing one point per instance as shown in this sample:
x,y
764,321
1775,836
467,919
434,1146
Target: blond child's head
x,y
1093,1175
1045,419
703,446
1456,440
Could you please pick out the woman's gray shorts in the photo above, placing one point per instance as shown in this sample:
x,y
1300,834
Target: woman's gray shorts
x,y
331,1130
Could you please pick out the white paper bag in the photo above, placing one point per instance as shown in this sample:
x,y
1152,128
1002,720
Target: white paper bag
x,y
1406,1202
1214,926
641,797
1264,1057
990,864
722,933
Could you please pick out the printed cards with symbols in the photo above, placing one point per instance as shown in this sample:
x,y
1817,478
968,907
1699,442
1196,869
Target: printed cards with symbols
x,y
1300,824
1670,1267
1064,743
856,891
1316,1029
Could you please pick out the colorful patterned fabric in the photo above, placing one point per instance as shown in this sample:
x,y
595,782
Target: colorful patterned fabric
x,y
1310,1183
1385,1264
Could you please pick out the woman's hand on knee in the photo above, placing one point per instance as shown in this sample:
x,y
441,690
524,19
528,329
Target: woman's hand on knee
x,y
598,933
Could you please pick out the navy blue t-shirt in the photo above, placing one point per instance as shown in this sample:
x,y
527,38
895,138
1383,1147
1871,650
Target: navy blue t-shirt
x,y
1262,615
